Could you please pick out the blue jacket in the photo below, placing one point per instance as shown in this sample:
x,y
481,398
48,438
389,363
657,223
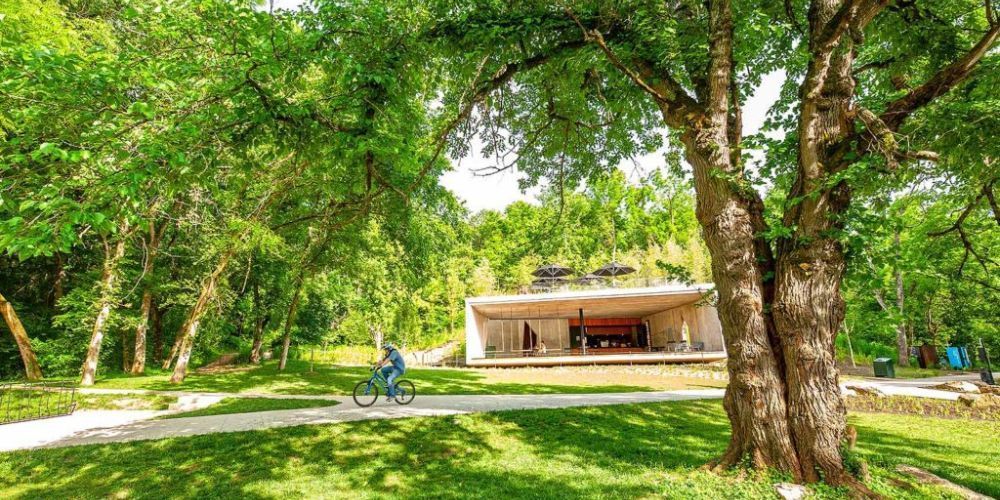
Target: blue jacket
x,y
396,359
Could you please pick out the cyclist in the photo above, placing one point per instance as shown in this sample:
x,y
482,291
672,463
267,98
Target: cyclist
x,y
394,371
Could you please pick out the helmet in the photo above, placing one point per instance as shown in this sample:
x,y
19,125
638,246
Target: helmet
x,y
388,346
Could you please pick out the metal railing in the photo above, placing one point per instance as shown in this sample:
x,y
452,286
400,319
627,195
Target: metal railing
x,y
22,401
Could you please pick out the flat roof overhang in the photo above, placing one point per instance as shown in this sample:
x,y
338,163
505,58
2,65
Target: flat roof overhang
x,y
601,303
601,359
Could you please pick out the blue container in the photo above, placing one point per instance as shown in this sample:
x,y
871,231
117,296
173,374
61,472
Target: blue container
x,y
965,356
956,358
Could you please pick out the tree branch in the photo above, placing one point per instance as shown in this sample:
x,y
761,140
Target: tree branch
x,y
944,80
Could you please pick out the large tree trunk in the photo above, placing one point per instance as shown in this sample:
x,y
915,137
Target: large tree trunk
x,y
808,307
107,290
290,321
188,332
32,371
139,360
755,397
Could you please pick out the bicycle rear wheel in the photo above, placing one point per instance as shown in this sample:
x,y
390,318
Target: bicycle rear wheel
x,y
405,392
364,397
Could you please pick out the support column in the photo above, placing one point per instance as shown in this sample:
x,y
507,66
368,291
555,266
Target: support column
x,y
583,334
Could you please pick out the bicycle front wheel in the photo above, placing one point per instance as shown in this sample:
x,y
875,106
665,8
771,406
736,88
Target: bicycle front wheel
x,y
405,392
363,396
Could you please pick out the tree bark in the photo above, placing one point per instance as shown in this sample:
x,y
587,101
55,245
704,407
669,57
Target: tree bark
x,y
808,306
57,281
32,371
152,246
189,330
108,277
290,320
902,343
156,317
260,321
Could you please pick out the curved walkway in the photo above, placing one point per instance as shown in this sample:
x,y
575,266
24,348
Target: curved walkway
x,y
91,427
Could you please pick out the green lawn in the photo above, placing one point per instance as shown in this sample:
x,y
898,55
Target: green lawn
x,y
22,404
250,405
340,380
629,451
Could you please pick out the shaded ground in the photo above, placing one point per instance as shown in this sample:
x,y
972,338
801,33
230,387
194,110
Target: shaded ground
x,y
624,451
340,380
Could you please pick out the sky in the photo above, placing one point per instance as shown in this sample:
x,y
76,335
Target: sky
x,y
497,191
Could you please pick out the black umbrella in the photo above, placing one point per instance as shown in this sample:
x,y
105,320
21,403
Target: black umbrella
x,y
553,271
547,283
589,279
614,269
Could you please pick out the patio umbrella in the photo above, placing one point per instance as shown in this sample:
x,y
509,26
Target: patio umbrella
x,y
589,279
552,271
614,269
547,283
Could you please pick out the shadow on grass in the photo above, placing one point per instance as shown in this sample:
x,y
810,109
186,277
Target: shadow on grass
x,y
623,451
340,380
587,452
964,451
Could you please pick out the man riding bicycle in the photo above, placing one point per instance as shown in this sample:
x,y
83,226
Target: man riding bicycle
x,y
394,371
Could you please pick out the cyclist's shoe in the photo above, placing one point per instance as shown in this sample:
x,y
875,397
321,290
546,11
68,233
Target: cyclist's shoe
x,y
388,399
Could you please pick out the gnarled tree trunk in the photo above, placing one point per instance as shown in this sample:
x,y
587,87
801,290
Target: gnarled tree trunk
x,y
32,371
108,277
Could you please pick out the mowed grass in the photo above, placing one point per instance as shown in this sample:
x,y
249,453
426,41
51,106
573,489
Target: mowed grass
x,y
229,406
340,380
628,451
27,404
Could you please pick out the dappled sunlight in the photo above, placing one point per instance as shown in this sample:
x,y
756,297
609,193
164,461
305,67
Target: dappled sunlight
x,y
340,380
623,451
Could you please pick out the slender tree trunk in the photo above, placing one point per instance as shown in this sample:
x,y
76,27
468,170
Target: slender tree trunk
x,y
290,320
127,352
57,282
108,277
169,360
190,328
258,339
259,323
152,246
156,318
902,344
32,371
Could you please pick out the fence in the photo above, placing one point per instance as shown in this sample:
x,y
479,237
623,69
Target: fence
x,y
31,401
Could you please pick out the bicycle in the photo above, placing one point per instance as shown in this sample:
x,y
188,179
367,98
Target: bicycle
x,y
366,392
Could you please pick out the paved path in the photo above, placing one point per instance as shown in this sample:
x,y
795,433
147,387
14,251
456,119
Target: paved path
x,y
88,427
57,432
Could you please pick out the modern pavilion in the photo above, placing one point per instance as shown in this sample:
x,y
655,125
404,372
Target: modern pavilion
x,y
652,324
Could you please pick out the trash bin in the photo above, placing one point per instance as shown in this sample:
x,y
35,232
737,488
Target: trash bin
x,y
883,368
